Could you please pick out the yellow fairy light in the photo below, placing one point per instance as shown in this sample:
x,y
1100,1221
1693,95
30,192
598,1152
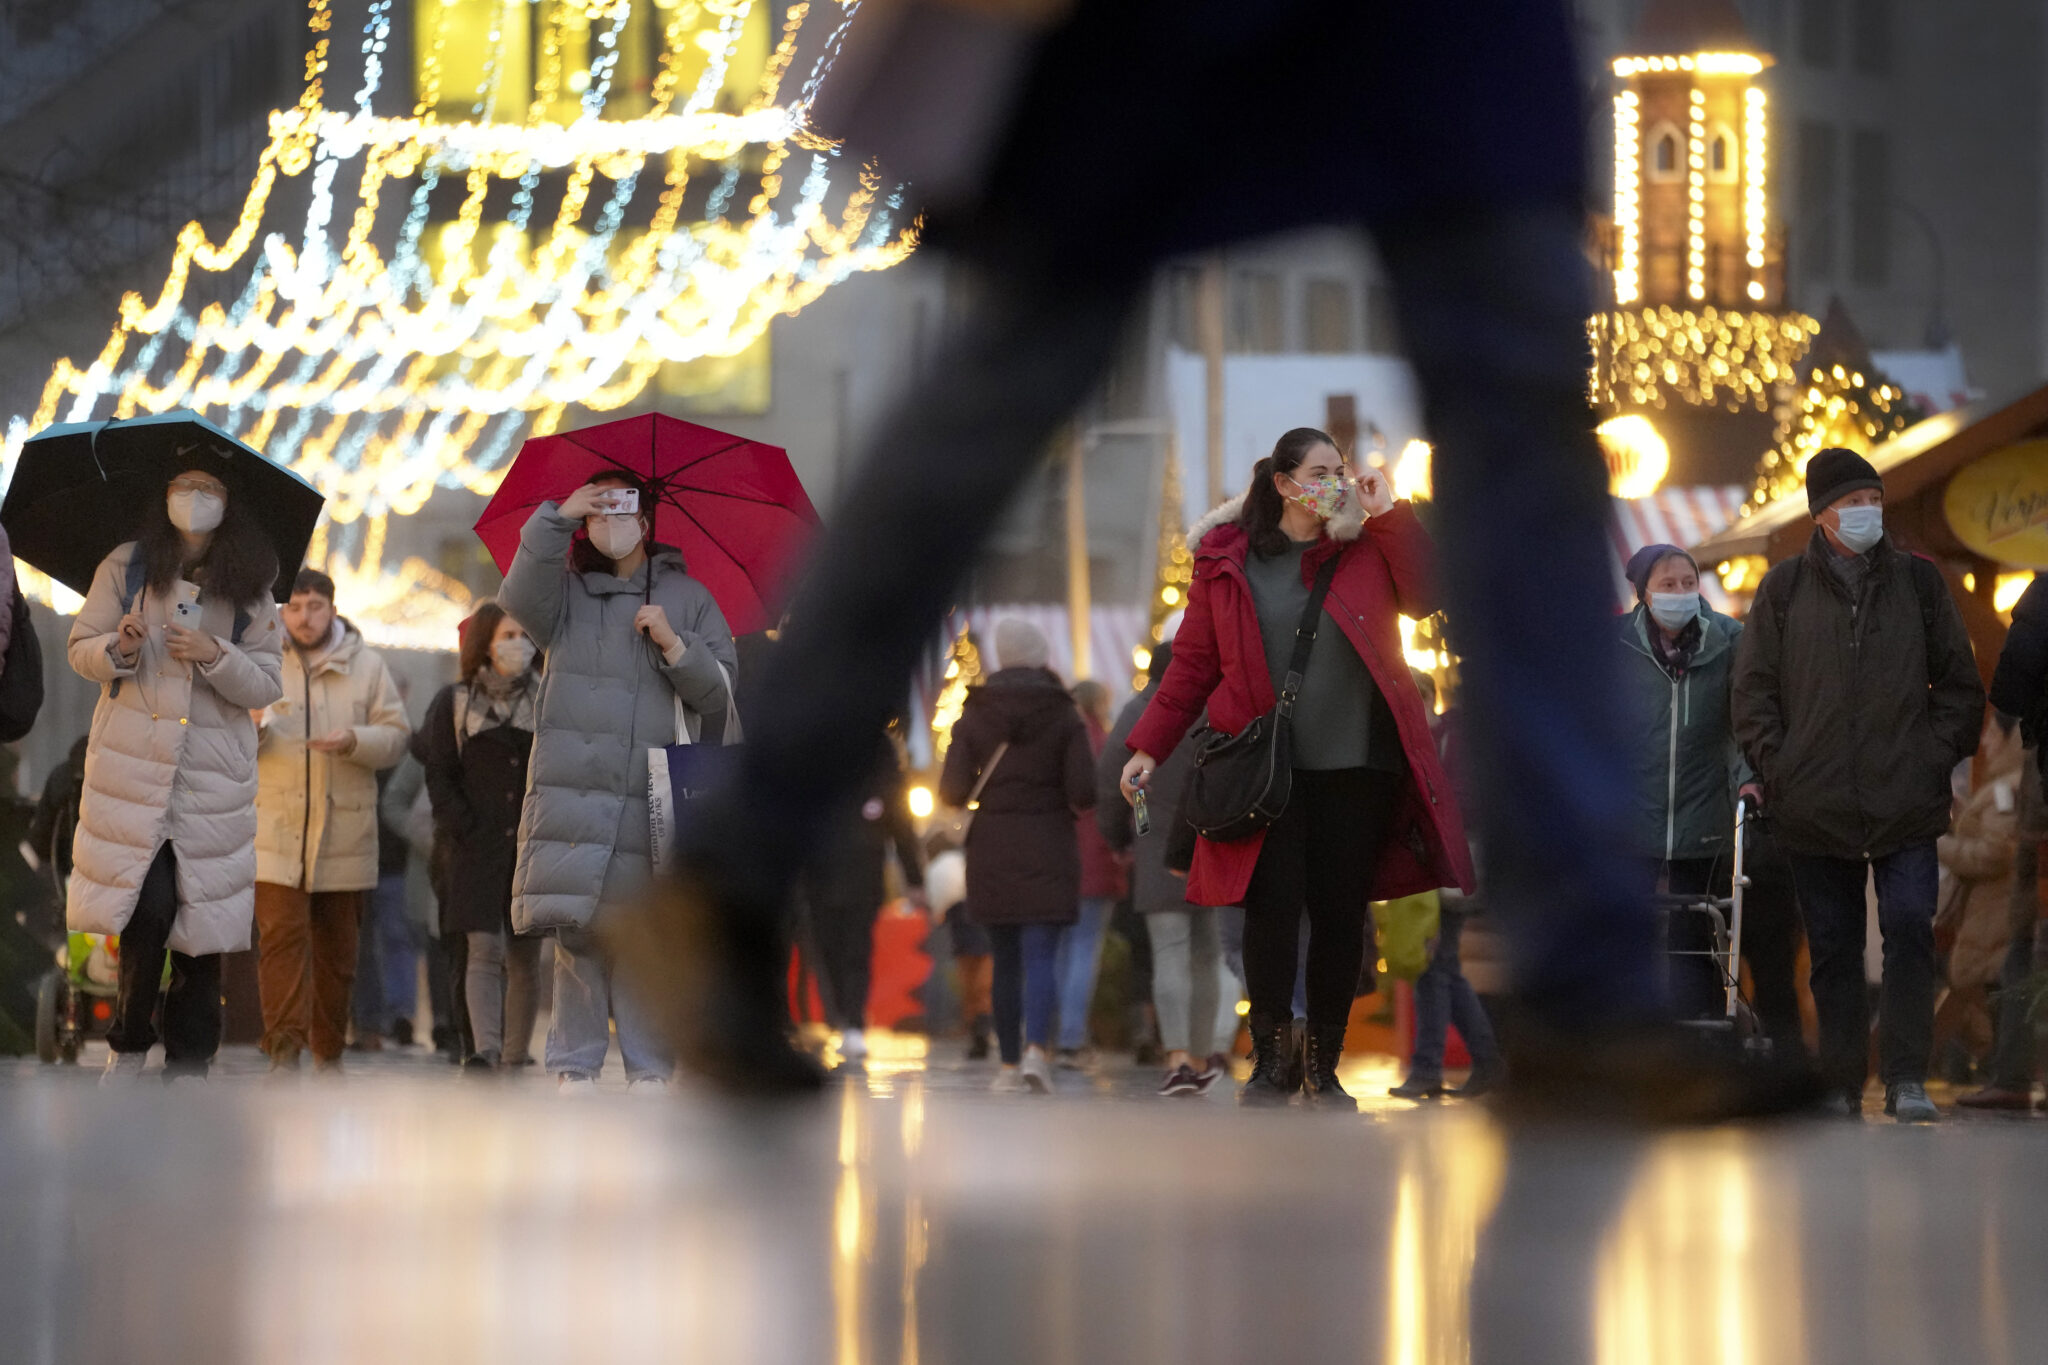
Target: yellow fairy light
x,y
381,379
1699,63
1413,474
1754,220
1627,197
1638,457
1696,191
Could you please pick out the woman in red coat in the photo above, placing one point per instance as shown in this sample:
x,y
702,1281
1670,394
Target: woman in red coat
x,y
1372,816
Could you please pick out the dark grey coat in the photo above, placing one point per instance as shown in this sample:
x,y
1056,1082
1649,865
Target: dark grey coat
x,y
1154,889
1851,715
607,697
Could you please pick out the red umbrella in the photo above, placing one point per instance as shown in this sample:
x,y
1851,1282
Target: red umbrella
x,y
733,507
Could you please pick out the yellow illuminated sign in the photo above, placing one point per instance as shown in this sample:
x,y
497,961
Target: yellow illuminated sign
x,y
1999,505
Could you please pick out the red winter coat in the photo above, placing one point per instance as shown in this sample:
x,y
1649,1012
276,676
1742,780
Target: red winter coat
x,y
1219,661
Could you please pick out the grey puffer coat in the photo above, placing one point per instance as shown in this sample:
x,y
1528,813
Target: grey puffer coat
x,y
607,697
171,758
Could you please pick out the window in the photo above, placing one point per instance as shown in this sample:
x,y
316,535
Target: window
x,y
1870,194
478,79
1667,153
1870,37
1722,163
1818,22
1331,316
1382,327
1814,233
1257,314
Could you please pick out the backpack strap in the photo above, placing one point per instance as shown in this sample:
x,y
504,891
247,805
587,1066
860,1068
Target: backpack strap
x,y
131,595
1930,588
1779,590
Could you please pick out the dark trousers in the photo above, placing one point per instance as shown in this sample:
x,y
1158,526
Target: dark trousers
x,y
1319,857
191,999
1026,985
1493,302
1831,899
842,934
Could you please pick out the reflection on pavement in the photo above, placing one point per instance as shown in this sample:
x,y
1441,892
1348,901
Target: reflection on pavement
x,y
909,1216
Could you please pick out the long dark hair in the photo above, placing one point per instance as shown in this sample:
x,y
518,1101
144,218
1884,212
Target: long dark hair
x,y
477,631
1262,502
587,558
240,563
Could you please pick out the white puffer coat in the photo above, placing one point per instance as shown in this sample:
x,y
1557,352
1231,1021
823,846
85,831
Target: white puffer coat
x,y
328,841
171,757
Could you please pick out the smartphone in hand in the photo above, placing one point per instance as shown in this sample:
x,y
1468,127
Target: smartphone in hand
x,y
1141,814
185,604
619,502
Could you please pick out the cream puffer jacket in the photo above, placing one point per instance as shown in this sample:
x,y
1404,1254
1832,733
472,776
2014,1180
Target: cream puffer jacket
x,y
317,812
171,757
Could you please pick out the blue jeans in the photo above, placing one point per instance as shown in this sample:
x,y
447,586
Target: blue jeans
x,y
399,945
1025,986
1080,957
1443,997
1832,901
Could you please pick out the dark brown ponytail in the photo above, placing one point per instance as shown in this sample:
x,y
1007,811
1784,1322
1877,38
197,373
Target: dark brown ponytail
x,y
1262,502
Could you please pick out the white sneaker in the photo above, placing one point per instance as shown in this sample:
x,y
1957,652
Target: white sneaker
x,y
123,1068
853,1045
646,1086
178,1080
1009,1081
573,1087
1037,1071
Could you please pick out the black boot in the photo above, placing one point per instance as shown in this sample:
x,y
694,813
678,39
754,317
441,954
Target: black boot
x,y
1268,1085
1325,1048
1294,1038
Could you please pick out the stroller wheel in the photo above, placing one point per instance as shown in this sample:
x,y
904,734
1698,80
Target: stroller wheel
x,y
50,992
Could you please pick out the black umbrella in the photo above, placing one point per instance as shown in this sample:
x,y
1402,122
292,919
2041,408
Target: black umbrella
x,y
82,488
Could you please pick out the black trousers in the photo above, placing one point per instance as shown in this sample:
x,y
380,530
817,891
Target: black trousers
x,y
1319,857
842,935
191,999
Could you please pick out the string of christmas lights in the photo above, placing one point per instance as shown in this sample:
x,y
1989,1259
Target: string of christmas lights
x,y
381,378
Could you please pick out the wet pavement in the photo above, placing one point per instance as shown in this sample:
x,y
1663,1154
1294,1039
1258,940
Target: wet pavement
x,y
408,1213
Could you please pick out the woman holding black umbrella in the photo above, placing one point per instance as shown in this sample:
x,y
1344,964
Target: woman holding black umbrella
x,y
181,634
636,649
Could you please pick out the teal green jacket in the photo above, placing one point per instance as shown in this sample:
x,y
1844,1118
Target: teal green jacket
x,y
1686,765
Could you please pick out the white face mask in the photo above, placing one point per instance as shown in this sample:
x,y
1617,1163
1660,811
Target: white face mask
x,y
1672,610
615,537
1861,527
512,657
196,513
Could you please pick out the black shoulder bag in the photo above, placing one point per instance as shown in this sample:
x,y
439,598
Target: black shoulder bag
x,y
1241,782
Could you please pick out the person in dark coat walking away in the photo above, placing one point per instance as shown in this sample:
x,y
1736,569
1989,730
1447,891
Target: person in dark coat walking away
x,y
1020,758
1372,815
1103,884
1855,695
479,735
2019,692
844,888
1194,991
47,849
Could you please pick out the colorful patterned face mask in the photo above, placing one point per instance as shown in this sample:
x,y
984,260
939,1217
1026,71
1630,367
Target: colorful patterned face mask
x,y
1322,496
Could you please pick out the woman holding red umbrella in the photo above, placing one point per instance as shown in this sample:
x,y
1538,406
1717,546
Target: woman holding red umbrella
x,y
635,647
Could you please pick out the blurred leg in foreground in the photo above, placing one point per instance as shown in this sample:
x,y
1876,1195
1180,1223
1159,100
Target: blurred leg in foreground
x,y
1454,134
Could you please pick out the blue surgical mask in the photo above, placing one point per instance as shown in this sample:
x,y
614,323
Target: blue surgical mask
x,y
1672,610
1861,527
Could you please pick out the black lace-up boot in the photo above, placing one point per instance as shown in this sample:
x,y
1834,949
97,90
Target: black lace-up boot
x,y
1320,1087
1268,1083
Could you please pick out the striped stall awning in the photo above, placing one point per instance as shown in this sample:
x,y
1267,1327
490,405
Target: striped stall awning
x,y
1684,517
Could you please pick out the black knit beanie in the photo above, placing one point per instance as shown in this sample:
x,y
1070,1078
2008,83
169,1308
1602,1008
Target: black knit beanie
x,y
1834,473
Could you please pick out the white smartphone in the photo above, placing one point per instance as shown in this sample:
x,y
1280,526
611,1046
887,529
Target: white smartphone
x,y
185,604
619,502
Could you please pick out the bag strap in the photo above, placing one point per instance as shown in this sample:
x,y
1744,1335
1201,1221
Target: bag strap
x,y
1929,587
1305,634
974,797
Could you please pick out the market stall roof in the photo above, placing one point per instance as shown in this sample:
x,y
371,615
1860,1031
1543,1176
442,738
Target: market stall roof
x,y
1920,457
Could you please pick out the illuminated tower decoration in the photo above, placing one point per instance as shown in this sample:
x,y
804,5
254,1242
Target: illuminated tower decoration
x,y
1697,263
